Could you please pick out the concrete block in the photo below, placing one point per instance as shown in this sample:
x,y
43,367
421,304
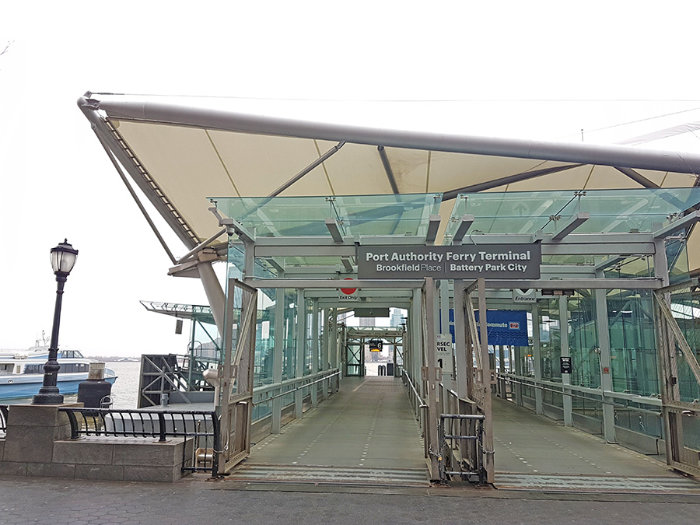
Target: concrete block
x,y
105,472
32,415
51,470
13,468
29,444
162,474
83,452
149,453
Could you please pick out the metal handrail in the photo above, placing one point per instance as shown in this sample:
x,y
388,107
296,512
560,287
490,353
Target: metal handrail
x,y
304,385
415,392
576,391
202,426
274,386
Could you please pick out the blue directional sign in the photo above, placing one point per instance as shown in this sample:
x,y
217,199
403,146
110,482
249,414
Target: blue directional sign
x,y
504,327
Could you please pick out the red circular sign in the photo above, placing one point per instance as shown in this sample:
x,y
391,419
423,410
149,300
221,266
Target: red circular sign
x,y
348,291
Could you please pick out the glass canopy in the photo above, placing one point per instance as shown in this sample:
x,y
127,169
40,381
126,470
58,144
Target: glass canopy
x,y
636,210
408,215
355,215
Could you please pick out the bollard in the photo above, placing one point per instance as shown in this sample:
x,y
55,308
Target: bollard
x,y
95,388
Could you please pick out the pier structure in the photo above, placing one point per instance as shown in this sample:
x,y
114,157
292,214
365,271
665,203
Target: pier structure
x,y
548,297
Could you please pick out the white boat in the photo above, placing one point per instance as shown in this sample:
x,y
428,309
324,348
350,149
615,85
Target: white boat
x,y
22,373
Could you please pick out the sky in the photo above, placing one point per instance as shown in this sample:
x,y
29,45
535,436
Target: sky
x,y
516,69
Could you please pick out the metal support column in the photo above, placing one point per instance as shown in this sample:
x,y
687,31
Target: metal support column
x,y
564,339
335,348
517,366
433,378
667,367
416,344
277,357
462,367
300,351
214,292
487,375
603,324
537,358
314,349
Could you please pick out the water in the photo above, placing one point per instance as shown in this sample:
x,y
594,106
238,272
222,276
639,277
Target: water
x,y
124,391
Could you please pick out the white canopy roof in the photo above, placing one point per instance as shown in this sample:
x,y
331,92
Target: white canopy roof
x,y
180,154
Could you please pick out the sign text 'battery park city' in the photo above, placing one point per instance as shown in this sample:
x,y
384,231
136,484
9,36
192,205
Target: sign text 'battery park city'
x,y
468,261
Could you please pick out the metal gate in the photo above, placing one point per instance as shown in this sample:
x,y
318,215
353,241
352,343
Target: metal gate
x,y
236,388
676,356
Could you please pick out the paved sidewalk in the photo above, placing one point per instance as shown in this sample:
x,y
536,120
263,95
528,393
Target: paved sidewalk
x,y
58,502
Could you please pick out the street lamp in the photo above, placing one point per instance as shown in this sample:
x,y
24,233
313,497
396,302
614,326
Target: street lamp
x,y
63,259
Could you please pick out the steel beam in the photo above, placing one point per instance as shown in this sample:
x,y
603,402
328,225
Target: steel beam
x,y
433,227
332,225
576,221
158,110
651,283
678,225
638,177
387,168
465,223
308,168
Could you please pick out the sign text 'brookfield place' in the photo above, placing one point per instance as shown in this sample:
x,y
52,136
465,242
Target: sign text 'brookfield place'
x,y
468,261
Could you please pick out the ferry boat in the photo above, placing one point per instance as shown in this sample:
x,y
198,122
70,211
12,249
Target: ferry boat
x,y
22,373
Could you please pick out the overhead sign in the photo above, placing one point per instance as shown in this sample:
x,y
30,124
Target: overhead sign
x,y
371,312
524,296
467,261
505,327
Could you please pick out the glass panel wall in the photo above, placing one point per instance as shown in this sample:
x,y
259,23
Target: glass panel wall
x,y
583,340
632,342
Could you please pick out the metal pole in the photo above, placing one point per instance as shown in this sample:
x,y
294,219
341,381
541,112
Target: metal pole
x,y
48,393
431,381
460,339
314,349
486,385
565,378
277,357
300,351
601,308
537,358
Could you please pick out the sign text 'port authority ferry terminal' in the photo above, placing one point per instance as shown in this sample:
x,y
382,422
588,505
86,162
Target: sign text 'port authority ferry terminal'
x,y
491,261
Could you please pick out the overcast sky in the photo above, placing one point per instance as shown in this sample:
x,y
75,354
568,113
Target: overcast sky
x,y
542,69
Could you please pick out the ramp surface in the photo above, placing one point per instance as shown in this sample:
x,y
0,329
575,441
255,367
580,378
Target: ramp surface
x,y
533,452
366,434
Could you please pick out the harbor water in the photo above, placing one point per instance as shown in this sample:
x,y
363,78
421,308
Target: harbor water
x,y
124,390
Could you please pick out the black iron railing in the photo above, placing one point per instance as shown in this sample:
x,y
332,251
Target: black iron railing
x,y
202,427
3,419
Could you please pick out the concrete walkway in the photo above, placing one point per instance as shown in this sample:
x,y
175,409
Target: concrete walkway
x,y
61,502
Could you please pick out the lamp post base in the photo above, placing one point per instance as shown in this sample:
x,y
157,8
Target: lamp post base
x,y
48,395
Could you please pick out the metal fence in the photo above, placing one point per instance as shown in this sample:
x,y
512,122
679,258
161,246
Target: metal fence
x,y
3,419
201,427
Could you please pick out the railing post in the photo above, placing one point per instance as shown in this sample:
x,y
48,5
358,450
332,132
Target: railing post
x,y
217,445
161,426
